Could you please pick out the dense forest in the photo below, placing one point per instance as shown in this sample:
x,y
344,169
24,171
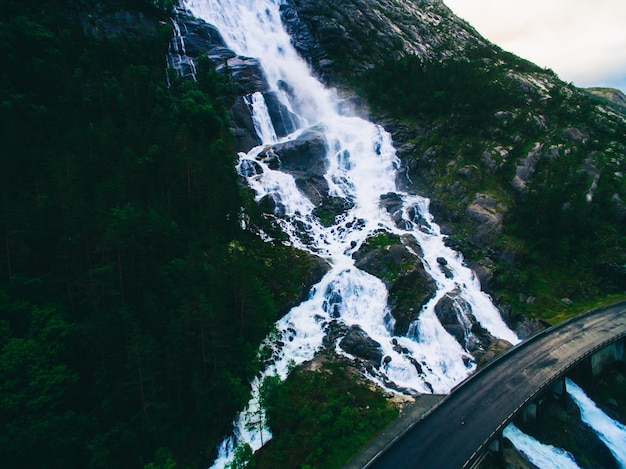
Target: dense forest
x,y
134,291
132,302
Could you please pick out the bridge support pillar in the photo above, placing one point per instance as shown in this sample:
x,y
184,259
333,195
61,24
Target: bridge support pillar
x,y
497,448
605,357
559,390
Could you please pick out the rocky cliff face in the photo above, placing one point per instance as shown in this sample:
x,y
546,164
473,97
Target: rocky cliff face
x,y
531,175
342,38
533,163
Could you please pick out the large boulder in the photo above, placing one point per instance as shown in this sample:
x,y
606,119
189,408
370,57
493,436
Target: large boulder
x,y
314,268
246,74
305,154
356,342
200,37
283,120
410,287
487,216
328,208
526,168
305,159
242,126
456,317
404,219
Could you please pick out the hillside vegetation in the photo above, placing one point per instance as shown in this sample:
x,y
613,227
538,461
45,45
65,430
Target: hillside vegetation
x,y
133,291
131,301
526,172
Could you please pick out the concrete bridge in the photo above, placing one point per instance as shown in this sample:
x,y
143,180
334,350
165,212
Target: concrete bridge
x,y
463,426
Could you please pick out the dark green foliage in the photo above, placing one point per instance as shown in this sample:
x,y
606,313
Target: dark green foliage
x,y
243,458
459,88
131,302
320,419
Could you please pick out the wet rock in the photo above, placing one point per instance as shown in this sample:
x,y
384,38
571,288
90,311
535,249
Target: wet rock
x,y
332,304
518,323
315,187
200,37
316,269
443,265
394,204
410,287
306,153
455,315
219,55
484,270
242,126
246,74
249,168
404,219
391,202
407,296
305,159
347,37
283,120
358,343
331,207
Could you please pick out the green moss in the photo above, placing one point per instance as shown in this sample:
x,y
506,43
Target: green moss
x,y
382,239
321,418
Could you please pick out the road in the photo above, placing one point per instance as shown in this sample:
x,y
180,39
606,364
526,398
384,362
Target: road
x,y
453,434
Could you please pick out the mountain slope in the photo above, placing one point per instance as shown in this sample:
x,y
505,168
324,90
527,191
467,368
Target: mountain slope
x,y
524,170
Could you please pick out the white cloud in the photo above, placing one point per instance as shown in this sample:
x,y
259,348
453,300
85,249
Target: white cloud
x,y
583,41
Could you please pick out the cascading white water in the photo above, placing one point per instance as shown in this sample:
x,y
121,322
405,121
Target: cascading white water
x,y
362,167
612,433
541,455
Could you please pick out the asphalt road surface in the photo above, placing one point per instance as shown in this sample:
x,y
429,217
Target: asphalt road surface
x,y
453,434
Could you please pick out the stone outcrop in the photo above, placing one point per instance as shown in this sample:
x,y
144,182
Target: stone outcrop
x,y
284,121
410,287
356,342
456,316
317,268
305,159
345,37
194,39
526,168
613,95
487,215
305,154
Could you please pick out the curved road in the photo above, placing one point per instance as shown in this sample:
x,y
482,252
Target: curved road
x,y
455,432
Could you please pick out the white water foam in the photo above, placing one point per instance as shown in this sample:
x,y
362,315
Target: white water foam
x,y
611,432
541,455
362,167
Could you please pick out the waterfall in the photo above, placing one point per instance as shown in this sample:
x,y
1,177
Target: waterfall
x,y
362,167
541,455
612,433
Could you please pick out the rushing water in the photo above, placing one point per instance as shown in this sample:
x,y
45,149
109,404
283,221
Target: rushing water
x,y
362,166
612,433
541,455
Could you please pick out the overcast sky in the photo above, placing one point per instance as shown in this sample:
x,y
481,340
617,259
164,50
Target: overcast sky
x,y
583,41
